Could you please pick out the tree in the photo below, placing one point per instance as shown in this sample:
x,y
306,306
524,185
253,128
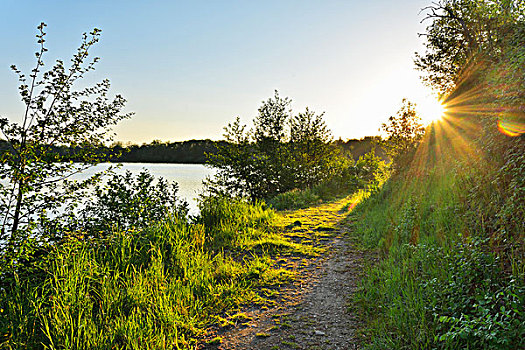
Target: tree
x,y
313,152
36,177
465,37
475,57
270,123
403,133
271,135
282,152
240,166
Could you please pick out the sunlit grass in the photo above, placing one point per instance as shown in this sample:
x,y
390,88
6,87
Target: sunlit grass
x,y
166,285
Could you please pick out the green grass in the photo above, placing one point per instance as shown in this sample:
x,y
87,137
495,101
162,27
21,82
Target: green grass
x,y
367,173
451,271
161,287
295,199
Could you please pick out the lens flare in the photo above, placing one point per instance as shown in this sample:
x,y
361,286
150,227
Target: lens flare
x,y
511,126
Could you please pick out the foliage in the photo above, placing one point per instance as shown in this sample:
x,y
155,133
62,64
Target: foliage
x,y
360,147
126,202
451,225
403,133
479,307
55,114
464,35
368,173
311,149
240,166
230,221
191,151
452,269
282,152
430,297
474,58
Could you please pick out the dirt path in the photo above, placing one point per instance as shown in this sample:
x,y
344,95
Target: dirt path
x,y
313,312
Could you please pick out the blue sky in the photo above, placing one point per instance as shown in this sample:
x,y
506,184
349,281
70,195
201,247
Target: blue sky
x,y
188,68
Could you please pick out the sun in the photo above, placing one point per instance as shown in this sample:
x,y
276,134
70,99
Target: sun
x,y
430,110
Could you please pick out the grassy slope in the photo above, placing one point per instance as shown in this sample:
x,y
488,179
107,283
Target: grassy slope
x,y
447,277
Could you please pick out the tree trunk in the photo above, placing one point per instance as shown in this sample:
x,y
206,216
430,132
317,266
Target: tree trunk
x,y
16,216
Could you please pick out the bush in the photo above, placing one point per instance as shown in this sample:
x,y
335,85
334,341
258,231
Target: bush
x,y
128,201
429,297
451,274
369,172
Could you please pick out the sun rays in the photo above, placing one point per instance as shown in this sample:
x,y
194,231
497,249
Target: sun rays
x,y
452,128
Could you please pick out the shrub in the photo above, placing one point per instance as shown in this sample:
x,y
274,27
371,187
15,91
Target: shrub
x,y
369,172
130,202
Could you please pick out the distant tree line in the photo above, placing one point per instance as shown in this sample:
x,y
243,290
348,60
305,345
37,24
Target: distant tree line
x,y
361,147
191,151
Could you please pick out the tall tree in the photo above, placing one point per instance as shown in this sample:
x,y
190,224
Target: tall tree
x,y
464,36
475,56
271,134
282,152
313,152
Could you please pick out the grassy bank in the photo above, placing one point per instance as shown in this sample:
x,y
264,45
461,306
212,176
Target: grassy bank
x,y
156,288
450,240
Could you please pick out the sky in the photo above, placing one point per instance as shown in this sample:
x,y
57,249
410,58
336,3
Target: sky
x,y
188,68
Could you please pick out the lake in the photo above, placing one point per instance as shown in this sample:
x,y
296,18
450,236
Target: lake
x,y
188,176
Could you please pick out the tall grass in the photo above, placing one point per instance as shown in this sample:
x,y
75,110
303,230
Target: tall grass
x,y
156,288
451,275
231,222
295,199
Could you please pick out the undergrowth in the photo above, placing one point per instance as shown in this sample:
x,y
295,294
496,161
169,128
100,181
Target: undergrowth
x,y
369,172
451,273
154,288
